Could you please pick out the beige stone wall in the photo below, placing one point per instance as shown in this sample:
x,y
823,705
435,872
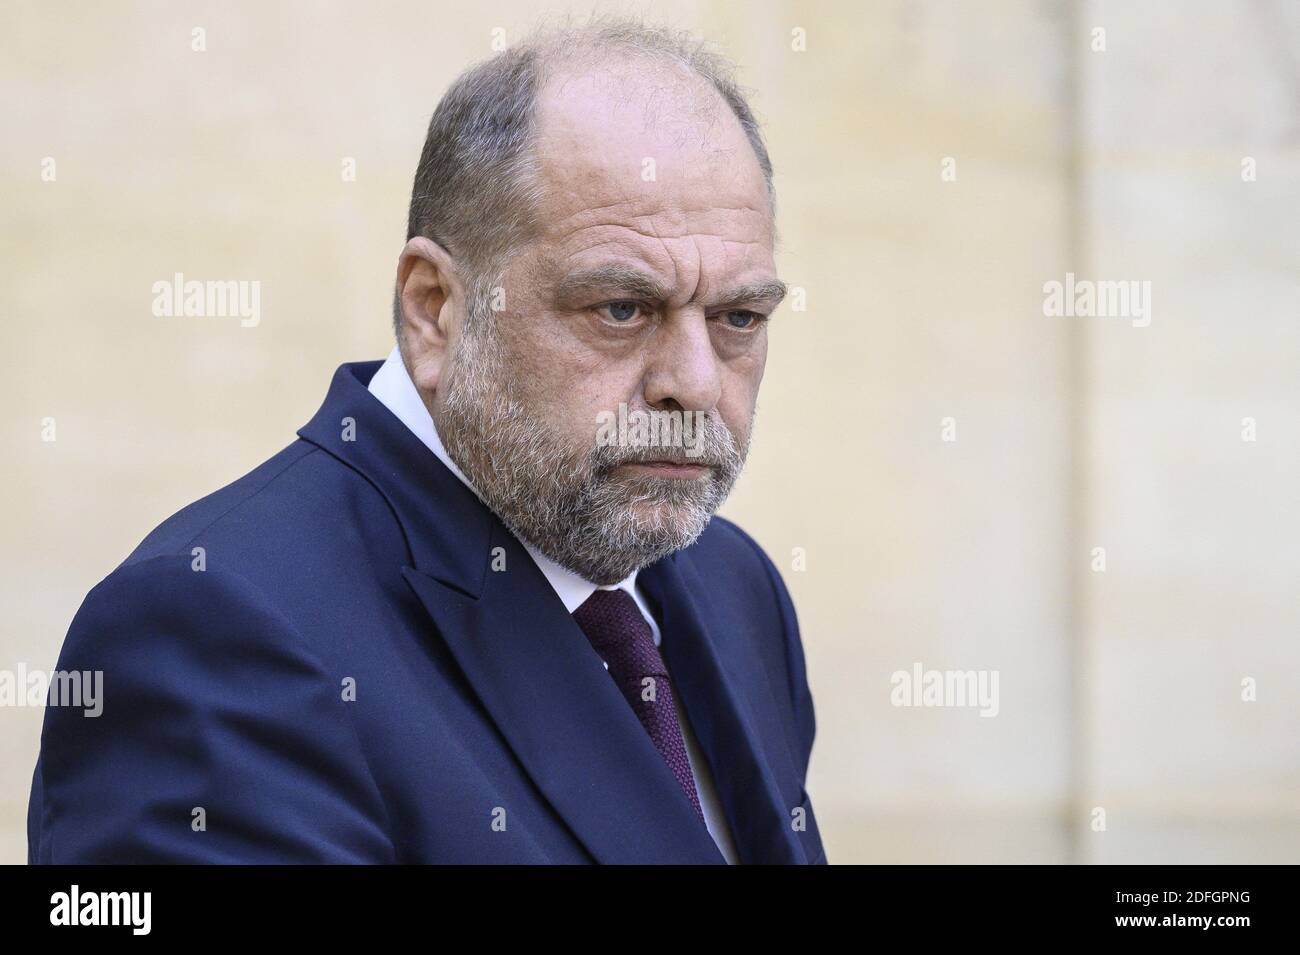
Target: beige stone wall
x,y
1119,689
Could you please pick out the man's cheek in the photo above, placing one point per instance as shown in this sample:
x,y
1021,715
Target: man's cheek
x,y
738,416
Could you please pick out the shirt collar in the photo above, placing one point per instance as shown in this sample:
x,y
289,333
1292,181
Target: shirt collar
x,y
393,387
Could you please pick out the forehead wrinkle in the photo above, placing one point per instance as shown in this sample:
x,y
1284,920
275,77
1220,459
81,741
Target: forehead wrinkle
x,y
664,257
674,215
577,240
655,258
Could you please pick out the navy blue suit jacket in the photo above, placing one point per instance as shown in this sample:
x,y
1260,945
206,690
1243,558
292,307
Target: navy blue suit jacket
x,y
484,728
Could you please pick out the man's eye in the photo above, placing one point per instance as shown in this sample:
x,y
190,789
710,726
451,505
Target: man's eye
x,y
621,311
740,318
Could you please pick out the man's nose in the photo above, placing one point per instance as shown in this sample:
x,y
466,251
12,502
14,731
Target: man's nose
x,y
682,369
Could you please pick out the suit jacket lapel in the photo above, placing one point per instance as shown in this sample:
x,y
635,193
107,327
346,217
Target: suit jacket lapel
x,y
753,770
553,701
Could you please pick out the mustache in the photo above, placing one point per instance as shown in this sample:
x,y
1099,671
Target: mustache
x,y
715,447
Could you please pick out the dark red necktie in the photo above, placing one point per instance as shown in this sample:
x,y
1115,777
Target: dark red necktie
x,y
620,635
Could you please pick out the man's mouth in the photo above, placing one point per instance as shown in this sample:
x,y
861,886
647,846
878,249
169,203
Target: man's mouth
x,y
680,470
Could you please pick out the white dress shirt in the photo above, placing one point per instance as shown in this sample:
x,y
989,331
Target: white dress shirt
x,y
395,390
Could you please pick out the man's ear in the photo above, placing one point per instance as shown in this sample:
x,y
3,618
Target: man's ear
x,y
432,303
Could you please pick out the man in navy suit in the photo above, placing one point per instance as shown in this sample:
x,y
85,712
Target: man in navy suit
x,y
471,615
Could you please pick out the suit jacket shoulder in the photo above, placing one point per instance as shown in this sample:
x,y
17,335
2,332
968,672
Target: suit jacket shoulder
x,y
221,737
216,707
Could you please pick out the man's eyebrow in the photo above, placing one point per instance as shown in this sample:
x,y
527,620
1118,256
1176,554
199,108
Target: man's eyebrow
x,y
636,283
608,279
752,293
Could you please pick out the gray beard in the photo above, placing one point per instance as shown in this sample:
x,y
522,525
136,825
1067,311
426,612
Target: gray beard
x,y
568,505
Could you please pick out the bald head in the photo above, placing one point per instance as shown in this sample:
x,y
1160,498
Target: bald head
x,y
479,188
635,129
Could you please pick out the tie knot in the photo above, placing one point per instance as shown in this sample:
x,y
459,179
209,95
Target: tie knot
x,y
613,623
